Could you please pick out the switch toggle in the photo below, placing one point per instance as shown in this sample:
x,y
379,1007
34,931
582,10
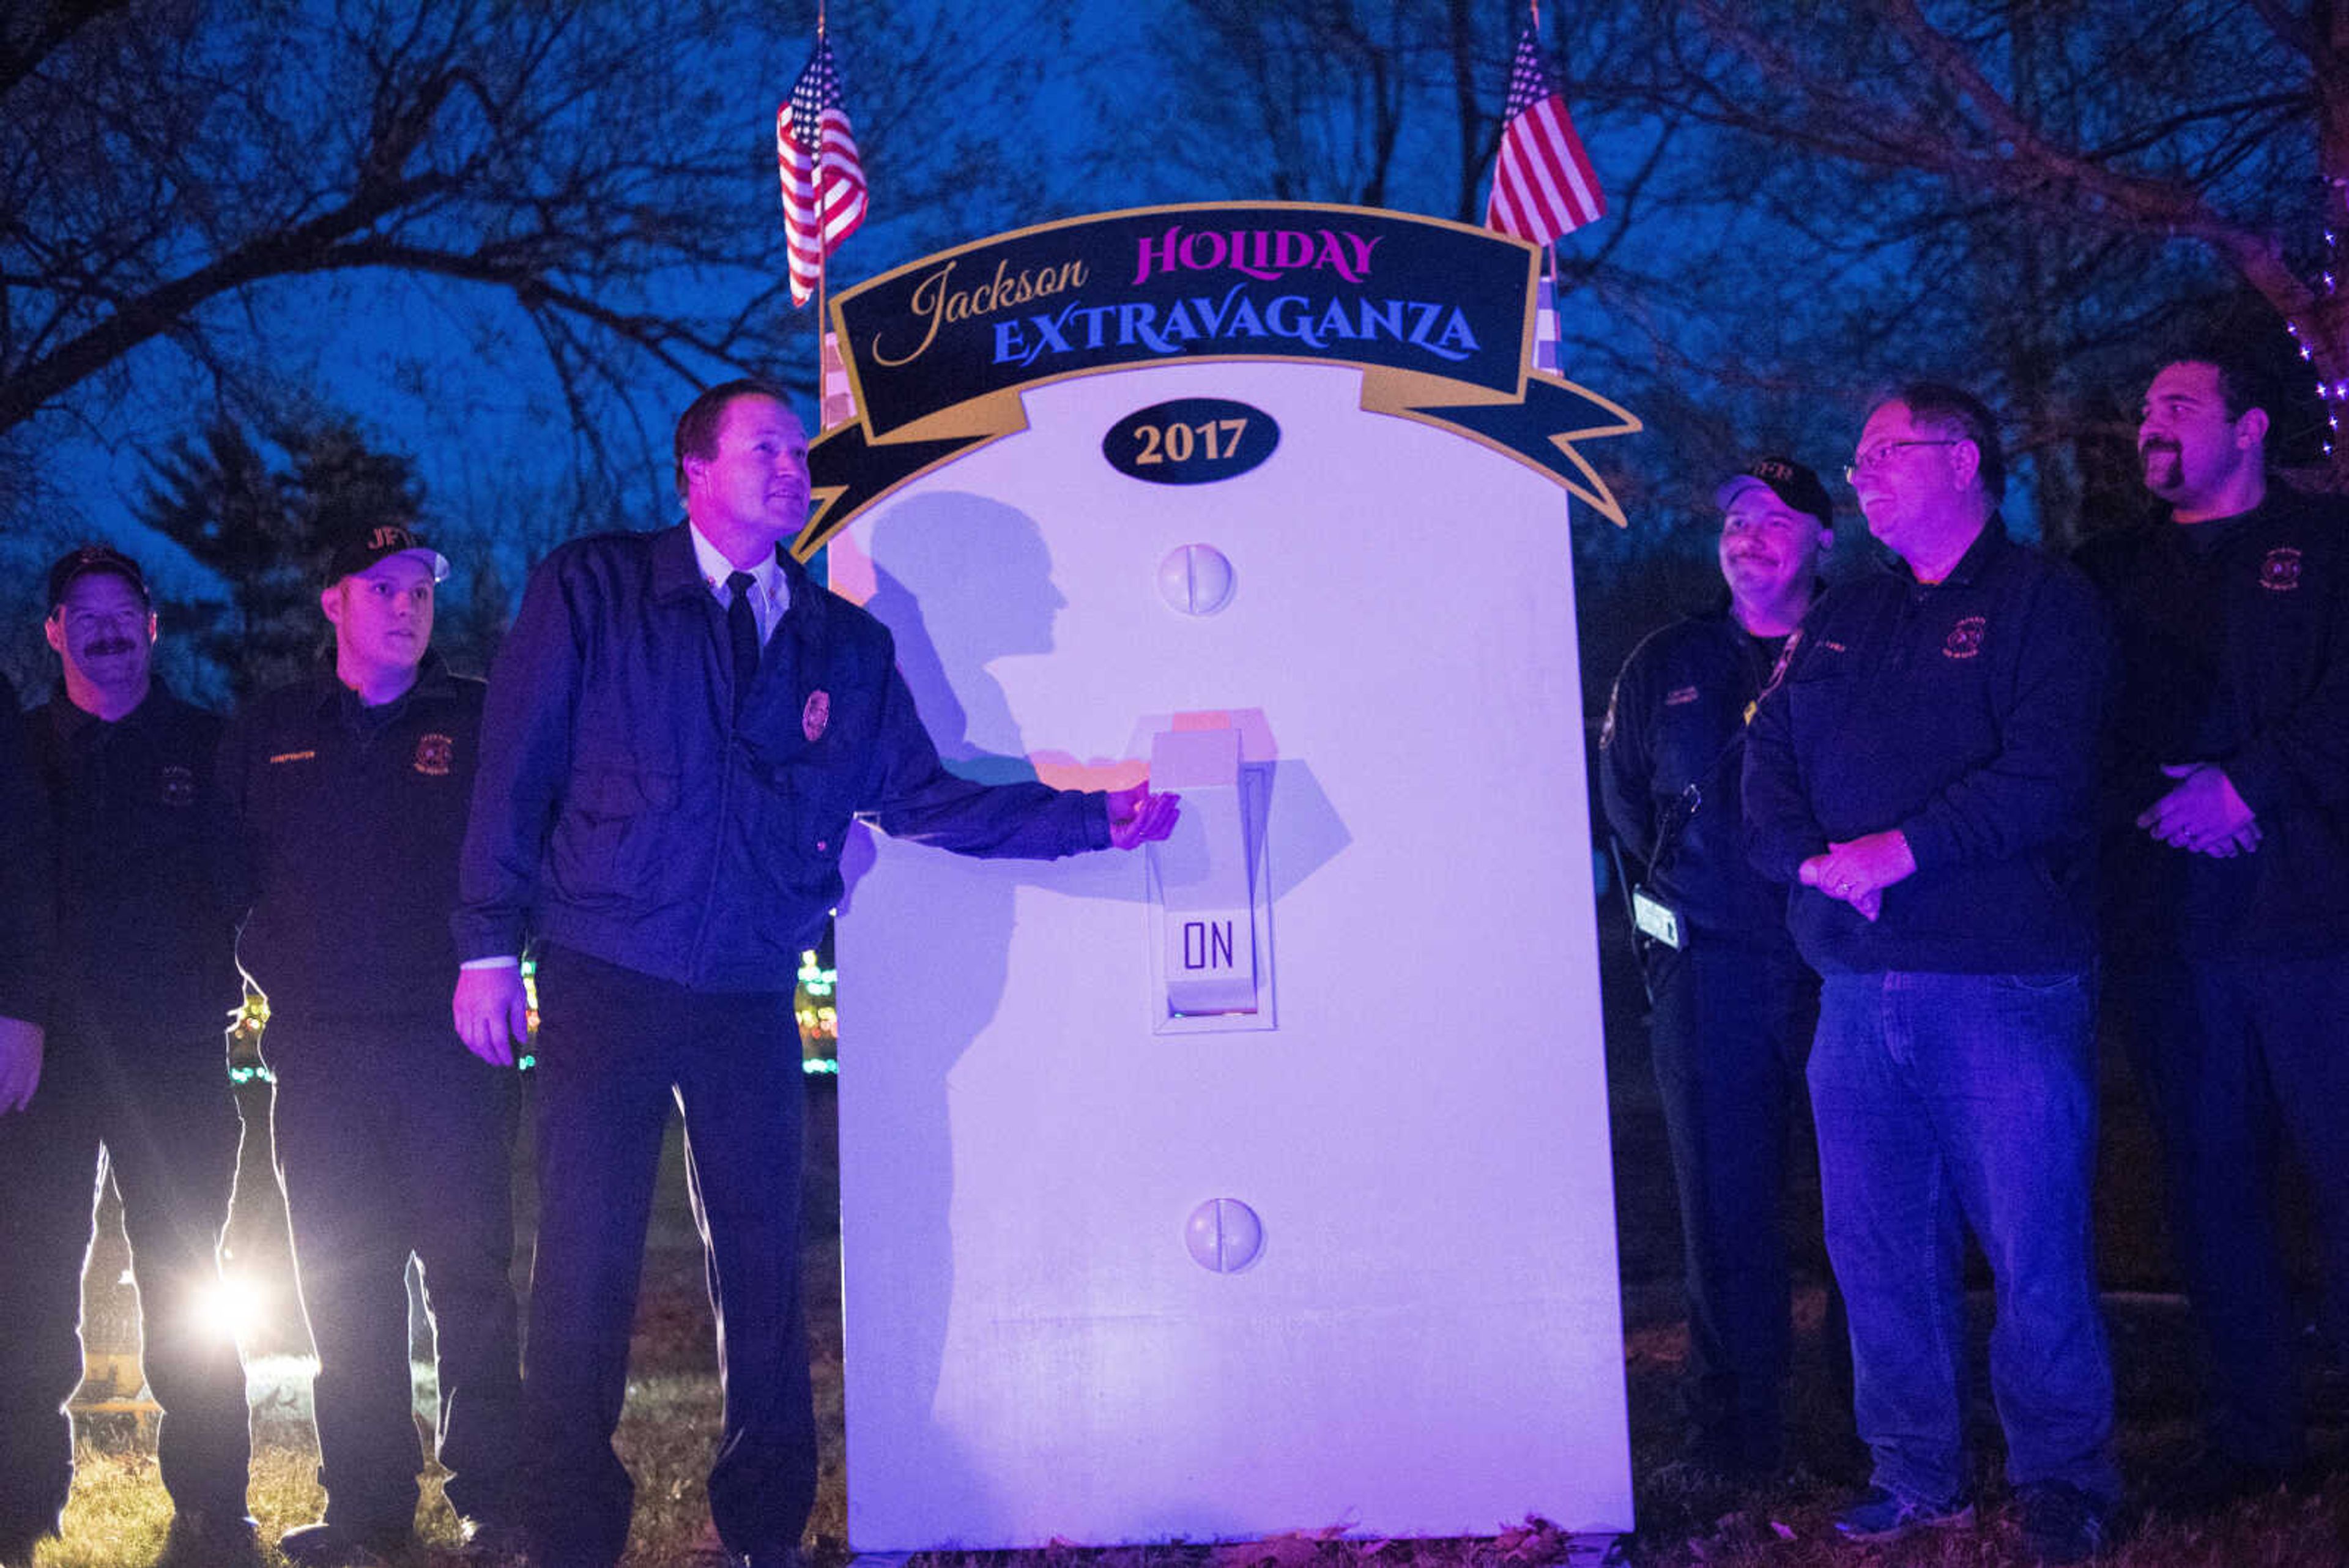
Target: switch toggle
x,y
1208,930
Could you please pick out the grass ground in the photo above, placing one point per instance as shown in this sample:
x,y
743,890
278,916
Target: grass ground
x,y
119,1513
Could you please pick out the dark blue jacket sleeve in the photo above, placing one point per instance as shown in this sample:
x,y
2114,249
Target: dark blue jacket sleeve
x,y
525,760
28,909
1625,768
913,796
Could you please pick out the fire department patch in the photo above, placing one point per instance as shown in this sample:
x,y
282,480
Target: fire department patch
x,y
2280,573
434,754
815,715
1965,639
177,785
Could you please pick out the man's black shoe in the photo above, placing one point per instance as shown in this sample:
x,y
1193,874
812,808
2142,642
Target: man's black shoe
x,y
17,1545
2061,1524
208,1538
323,1545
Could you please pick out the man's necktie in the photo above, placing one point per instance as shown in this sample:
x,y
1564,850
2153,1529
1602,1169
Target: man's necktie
x,y
742,632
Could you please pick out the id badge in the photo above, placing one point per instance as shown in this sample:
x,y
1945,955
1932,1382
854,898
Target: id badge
x,y
1655,918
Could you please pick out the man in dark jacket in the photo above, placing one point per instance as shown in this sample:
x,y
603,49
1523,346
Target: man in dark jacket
x,y
2227,796
28,912
1729,999
681,726
133,1082
1923,765
347,794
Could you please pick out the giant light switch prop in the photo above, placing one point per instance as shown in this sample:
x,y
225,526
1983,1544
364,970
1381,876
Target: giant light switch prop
x,y
1258,1182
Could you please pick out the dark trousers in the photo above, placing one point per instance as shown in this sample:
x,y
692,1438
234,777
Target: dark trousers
x,y
2239,1058
615,1049
1730,1028
168,1137
393,1139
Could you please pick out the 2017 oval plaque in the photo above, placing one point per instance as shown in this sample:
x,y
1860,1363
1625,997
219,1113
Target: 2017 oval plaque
x,y
1190,440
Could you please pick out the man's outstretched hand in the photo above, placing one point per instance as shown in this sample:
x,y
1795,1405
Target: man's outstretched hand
x,y
1136,816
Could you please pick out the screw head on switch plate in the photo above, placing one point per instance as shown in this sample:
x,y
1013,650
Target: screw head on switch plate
x,y
1224,1235
1195,579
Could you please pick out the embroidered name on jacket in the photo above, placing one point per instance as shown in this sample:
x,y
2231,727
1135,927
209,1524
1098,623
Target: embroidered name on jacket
x,y
434,754
2280,573
292,757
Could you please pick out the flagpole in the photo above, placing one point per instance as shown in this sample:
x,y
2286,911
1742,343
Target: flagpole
x,y
1556,310
822,250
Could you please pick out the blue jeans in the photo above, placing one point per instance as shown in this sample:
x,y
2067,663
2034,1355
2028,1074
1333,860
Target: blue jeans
x,y
1943,1099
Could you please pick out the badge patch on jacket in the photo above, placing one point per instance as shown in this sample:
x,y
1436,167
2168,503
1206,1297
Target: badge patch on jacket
x,y
2280,573
176,784
1965,639
434,754
816,715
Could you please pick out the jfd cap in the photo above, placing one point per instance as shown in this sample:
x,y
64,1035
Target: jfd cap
x,y
1788,480
379,544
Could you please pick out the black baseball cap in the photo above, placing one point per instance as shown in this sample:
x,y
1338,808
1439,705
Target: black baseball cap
x,y
1788,480
381,542
84,559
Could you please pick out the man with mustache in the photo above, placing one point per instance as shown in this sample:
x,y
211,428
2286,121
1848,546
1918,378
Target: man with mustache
x,y
1923,765
347,794
2227,792
1729,999
681,728
133,1079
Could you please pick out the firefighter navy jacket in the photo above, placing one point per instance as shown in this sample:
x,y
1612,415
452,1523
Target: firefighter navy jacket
x,y
622,811
344,828
1965,714
2234,642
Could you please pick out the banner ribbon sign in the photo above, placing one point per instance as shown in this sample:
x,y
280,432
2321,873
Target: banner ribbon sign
x,y
1438,316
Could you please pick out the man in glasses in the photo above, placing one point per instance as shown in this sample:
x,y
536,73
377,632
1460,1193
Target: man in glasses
x,y
1729,999
1923,767
2227,854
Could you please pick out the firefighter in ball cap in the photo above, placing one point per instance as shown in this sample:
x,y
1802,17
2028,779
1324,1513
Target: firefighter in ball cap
x,y
348,793
1731,1000
133,1082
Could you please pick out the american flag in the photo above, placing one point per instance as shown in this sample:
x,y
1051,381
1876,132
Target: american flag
x,y
824,183
1542,183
